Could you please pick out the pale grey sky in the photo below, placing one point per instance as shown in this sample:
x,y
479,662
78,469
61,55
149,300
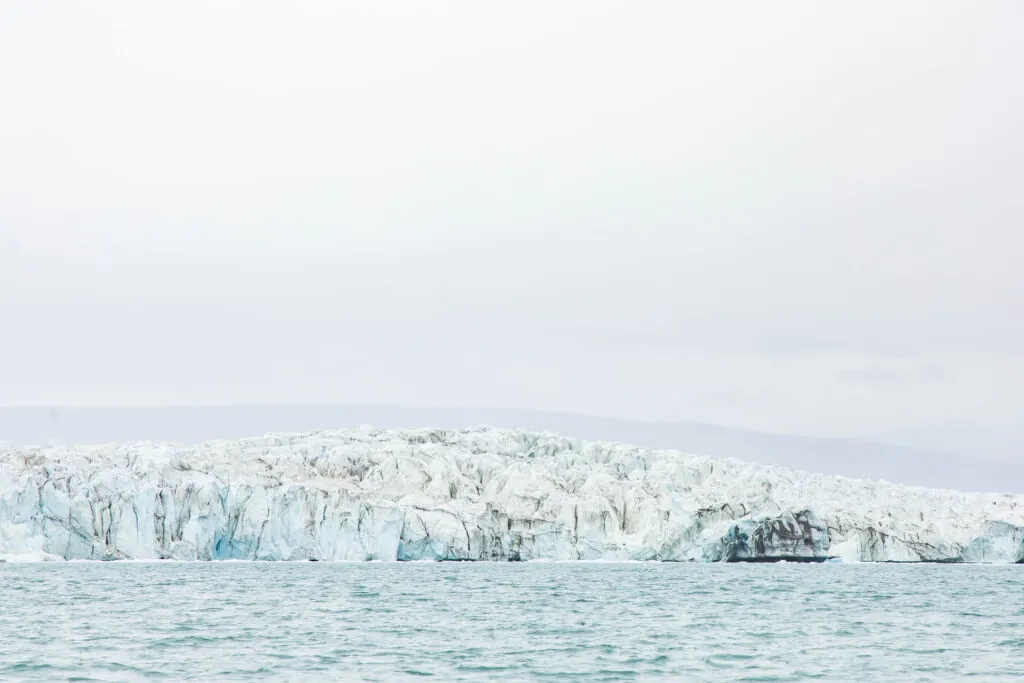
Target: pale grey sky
x,y
794,217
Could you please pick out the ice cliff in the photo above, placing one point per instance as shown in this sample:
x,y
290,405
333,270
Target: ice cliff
x,y
477,494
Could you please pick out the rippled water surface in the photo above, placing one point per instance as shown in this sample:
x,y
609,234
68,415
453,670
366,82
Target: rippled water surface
x,y
592,622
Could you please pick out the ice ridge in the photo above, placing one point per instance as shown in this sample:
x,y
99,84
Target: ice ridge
x,y
473,494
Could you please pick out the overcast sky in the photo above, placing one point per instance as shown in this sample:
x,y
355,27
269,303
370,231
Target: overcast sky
x,y
795,217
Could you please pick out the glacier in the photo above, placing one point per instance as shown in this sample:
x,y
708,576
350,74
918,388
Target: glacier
x,y
472,494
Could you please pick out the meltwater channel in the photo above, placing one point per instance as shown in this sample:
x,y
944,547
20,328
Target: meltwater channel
x,y
126,621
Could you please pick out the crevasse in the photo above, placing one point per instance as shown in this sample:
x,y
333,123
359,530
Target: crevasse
x,y
476,494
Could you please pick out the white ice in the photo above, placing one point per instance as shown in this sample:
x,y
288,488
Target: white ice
x,y
477,494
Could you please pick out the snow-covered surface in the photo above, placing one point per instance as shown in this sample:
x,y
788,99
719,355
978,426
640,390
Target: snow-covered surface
x,y
477,494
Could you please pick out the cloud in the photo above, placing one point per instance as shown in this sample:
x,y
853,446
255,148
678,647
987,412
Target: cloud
x,y
930,372
674,212
873,374
880,375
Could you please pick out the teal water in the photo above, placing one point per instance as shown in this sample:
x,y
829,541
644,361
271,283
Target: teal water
x,y
475,622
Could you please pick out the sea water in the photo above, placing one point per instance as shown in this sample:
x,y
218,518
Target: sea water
x,y
510,621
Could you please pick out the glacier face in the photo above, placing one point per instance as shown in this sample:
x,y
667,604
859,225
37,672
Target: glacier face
x,y
476,494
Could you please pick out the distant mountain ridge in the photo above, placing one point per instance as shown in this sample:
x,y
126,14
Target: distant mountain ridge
x,y
833,456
